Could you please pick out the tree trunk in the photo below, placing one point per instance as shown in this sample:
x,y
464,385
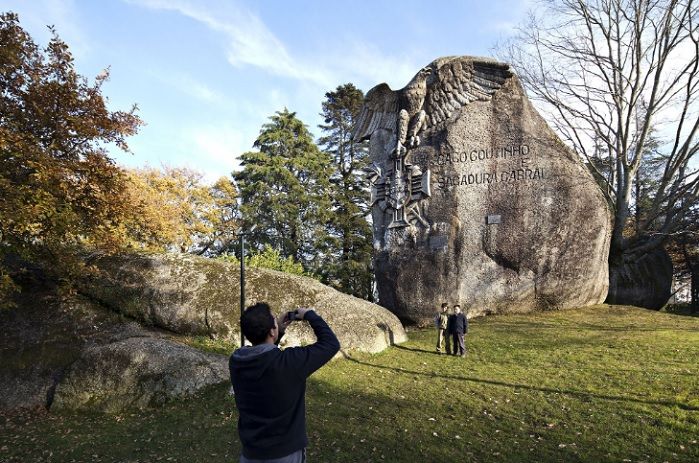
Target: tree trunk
x,y
643,280
695,291
638,201
693,277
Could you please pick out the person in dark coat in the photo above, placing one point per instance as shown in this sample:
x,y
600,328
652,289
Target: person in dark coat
x,y
459,328
270,384
450,332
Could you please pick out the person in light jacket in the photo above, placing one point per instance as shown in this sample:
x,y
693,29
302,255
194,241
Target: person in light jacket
x,y
440,321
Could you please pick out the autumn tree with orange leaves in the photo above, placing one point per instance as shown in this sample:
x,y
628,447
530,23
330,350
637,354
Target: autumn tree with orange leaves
x,y
59,187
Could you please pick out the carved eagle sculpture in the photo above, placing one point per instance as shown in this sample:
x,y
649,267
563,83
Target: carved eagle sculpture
x,y
437,92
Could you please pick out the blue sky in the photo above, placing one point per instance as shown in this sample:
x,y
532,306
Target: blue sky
x,y
207,74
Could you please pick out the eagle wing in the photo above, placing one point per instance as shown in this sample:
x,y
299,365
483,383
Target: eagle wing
x,y
459,82
379,111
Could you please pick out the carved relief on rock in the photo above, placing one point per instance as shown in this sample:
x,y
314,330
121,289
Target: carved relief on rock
x,y
420,109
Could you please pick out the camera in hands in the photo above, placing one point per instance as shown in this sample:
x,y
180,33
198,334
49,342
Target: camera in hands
x,y
297,314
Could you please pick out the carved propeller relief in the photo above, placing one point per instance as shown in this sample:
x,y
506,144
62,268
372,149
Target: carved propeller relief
x,y
400,189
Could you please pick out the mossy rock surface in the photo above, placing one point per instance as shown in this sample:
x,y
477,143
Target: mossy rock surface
x,y
119,344
192,295
72,353
137,372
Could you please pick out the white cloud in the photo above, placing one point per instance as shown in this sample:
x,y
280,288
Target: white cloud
x,y
187,85
368,66
250,42
215,144
215,150
212,150
201,91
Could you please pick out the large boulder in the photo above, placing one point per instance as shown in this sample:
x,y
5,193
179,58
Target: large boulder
x,y
37,342
643,280
193,295
475,199
75,354
122,342
137,372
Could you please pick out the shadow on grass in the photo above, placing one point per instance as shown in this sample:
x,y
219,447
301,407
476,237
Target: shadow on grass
x,y
348,423
684,310
414,349
579,394
531,326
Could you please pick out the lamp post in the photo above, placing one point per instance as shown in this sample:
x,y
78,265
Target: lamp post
x,y
242,286
242,236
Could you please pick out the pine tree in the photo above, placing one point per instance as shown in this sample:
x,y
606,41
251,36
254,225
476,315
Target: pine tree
x,y
351,271
285,191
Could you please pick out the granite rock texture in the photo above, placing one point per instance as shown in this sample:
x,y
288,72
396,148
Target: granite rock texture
x,y
72,353
643,281
123,341
193,295
137,372
511,221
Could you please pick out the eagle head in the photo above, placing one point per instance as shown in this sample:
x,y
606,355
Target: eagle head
x,y
424,73
420,79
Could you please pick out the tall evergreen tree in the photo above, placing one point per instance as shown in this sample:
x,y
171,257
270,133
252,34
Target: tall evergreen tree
x,y
351,270
285,191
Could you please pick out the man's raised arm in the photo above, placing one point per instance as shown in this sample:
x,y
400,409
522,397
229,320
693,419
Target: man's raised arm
x,y
319,353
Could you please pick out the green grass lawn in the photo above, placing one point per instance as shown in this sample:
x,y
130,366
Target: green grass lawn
x,y
595,384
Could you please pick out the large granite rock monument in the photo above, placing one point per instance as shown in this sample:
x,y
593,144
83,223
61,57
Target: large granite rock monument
x,y
476,200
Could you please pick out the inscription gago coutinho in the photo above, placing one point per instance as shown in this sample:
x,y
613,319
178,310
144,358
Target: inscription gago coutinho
x,y
521,171
482,154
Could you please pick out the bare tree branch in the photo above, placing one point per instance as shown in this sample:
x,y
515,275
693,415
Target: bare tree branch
x,y
619,80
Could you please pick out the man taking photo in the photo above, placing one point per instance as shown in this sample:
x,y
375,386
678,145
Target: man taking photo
x,y
270,384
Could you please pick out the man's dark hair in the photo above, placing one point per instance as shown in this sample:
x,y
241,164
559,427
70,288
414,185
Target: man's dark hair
x,y
256,322
444,304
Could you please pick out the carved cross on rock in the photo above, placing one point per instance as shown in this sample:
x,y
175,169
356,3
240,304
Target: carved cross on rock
x,y
400,188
